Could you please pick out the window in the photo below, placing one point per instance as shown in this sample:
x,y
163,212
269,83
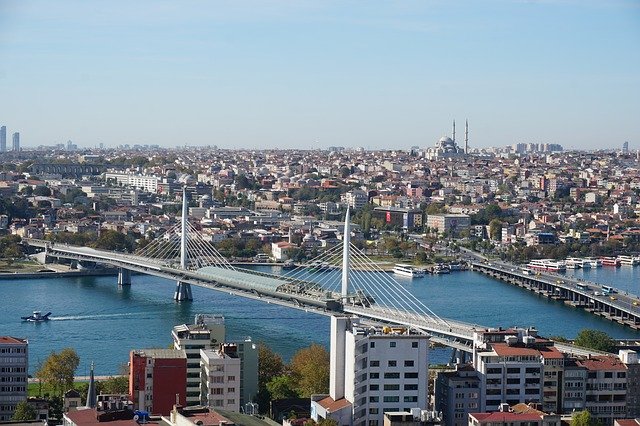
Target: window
x,y
608,375
393,375
391,399
408,363
231,378
414,344
410,398
373,423
513,371
410,387
410,375
374,387
217,391
373,411
391,387
374,363
372,344
392,363
392,344
374,399
231,390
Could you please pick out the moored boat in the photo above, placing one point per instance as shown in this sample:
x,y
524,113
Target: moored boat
x,y
628,260
610,261
406,270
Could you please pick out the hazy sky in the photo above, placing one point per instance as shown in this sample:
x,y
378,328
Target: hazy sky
x,y
378,74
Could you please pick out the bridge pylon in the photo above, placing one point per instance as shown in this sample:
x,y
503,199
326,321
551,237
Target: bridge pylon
x,y
124,277
183,290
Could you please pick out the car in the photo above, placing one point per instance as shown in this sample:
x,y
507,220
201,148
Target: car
x,y
636,303
613,298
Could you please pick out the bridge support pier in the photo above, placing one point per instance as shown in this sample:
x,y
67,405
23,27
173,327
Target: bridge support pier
x,y
183,292
124,277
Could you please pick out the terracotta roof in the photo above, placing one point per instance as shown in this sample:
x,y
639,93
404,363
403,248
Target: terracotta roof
x,y
503,417
330,405
12,340
502,349
602,363
208,419
627,422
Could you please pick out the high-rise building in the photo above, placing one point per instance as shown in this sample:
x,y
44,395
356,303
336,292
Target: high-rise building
x,y
625,147
207,333
16,141
3,139
156,377
14,364
373,371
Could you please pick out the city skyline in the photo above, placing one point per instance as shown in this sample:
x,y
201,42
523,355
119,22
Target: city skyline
x,y
313,75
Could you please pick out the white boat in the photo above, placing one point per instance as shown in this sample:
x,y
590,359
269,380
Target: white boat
x,y
547,265
37,317
574,263
406,270
593,262
440,269
628,260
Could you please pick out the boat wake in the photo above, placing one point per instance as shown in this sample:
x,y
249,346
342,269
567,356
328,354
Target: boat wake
x,y
94,317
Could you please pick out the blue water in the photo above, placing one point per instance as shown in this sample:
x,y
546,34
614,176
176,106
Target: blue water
x,y
103,323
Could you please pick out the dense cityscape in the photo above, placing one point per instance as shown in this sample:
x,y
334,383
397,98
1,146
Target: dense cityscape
x,y
320,213
427,209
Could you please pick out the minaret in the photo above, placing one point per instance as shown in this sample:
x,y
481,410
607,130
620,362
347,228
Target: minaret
x,y
454,131
91,392
466,136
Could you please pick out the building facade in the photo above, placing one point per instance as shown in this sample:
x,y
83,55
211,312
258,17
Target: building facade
x,y
14,366
16,141
451,223
156,378
220,378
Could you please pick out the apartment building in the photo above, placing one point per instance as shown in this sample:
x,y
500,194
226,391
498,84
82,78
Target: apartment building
x,y
156,378
14,365
208,332
373,371
220,377
605,387
457,393
452,223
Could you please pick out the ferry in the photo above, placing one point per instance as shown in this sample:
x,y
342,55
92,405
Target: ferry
x,y
628,260
610,261
407,270
574,263
547,265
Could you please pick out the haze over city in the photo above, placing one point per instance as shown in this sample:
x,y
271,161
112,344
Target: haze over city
x,y
311,74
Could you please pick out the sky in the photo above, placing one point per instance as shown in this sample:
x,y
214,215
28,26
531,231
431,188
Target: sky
x,y
313,74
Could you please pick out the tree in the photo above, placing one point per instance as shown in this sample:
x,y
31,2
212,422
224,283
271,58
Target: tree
x,y
118,385
583,418
270,365
310,370
595,339
495,229
59,369
281,387
42,191
24,411
113,240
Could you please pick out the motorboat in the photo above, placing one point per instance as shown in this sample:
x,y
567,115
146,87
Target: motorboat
x,y
37,317
440,269
407,270
288,264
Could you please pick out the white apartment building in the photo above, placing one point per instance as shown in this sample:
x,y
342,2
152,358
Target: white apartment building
x,y
208,332
356,199
14,363
143,182
220,378
373,371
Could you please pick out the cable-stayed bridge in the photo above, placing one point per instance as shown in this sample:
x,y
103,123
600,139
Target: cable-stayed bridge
x,y
341,281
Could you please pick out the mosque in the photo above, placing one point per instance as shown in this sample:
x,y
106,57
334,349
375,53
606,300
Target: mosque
x,y
446,147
